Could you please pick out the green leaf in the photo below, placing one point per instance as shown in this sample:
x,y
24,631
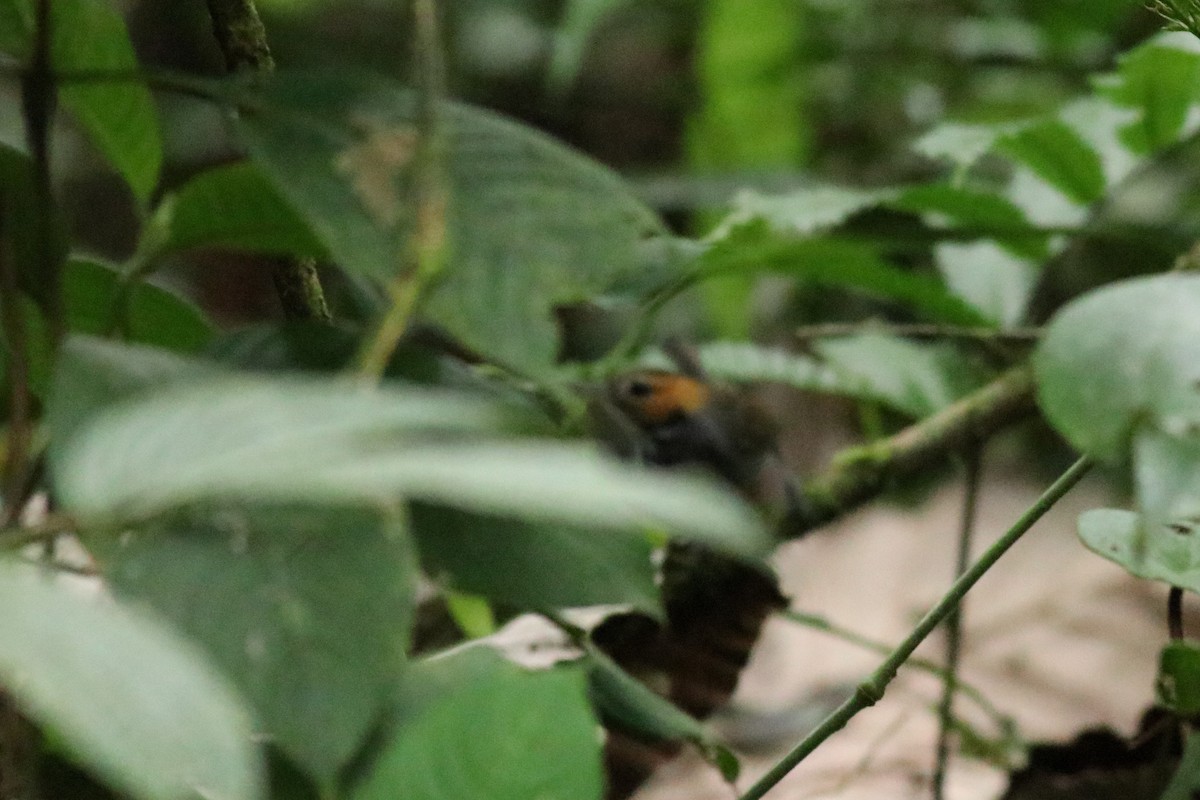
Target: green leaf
x,y
156,316
119,116
1166,478
1060,156
1186,781
631,705
990,278
1169,555
93,373
16,23
132,701
34,244
492,731
580,19
962,143
1161,82
803,212
531,224
1123,354
834,262
307,610
494,557
947,207
185,443
1178,683
306,441
745,362
237,207
916,379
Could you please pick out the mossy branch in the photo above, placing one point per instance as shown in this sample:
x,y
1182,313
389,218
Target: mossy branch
x,y
863,473
243,41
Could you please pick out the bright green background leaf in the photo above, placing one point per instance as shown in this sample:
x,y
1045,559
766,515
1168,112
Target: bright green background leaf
x,y
119,116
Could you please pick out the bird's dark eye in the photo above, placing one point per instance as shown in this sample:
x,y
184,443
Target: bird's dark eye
x,y
639,388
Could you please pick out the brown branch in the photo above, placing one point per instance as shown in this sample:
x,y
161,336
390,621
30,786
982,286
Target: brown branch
x,y
863,473
18,441
243,41
241,35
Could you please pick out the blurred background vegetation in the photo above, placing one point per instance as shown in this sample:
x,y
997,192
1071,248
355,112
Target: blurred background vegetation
x,y
690,99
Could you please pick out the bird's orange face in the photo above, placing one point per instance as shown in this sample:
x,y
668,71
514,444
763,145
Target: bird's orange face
x,y
654,397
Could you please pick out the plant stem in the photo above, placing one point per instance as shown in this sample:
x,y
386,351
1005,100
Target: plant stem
x,y
1003,722
871,690
1175,613
18,441
240,35
918,330
429,238
243,41
954,624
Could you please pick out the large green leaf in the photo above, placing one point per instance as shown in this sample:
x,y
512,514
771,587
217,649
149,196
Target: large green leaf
x,y
495,557
234,206
490,729
531,224
1119,356
306,609
93,373
305,441
119,115
133,702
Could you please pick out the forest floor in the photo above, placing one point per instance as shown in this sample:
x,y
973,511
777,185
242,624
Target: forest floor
x,y
1055,637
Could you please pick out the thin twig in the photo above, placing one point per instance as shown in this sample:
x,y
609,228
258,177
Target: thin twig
x,y
1175,613
871,690
243,40
429,238
917,331
954,624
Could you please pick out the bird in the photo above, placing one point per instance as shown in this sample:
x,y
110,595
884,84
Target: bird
x,y
715,605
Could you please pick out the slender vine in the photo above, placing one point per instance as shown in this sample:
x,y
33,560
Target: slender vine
x,y
871,690
429,239
954,626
